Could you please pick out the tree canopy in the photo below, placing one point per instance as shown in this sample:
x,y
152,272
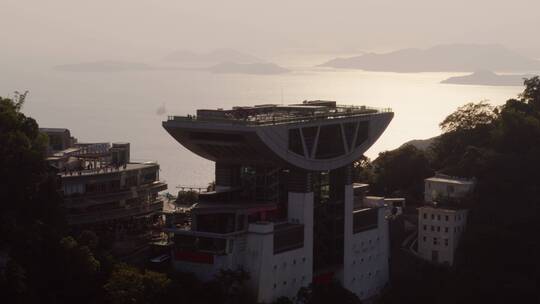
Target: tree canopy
x,y
500,148
469,116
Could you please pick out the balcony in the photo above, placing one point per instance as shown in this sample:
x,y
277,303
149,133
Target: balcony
x,y
87,199
365,219
119,213
288,237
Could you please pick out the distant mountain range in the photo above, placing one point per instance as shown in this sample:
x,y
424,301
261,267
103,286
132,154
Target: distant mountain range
x,y
441,58
220,68
212,57
487,78
104,66
421,144
248,68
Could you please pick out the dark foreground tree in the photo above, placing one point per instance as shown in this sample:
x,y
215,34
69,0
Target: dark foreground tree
x,y
497,260
43,264
401,172
332,292
129,285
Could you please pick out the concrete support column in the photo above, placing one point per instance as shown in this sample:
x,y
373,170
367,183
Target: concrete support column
x,y
301,210
348,208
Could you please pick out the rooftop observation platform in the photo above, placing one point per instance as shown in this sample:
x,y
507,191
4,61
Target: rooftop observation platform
x,y
313,135
272,114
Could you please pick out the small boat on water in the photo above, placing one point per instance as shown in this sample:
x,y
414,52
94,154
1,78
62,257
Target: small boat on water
x,y
161,110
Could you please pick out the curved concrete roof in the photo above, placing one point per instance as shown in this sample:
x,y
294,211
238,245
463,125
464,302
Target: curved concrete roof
x,y
240,143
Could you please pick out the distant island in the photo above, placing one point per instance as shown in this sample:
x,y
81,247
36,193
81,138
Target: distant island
x,y
212,57
103,66
248,68
441,58
488,78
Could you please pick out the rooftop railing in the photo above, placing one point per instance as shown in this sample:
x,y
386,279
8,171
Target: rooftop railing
x,y
283,117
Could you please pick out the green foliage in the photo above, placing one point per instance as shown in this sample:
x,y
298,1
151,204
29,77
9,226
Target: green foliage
x,y
400,172
130,285
531,94
187,197
228,286
498,256
283,300
27,191
469,116
332,292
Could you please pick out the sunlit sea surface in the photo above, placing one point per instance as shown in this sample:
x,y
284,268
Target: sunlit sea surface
x,y
121,106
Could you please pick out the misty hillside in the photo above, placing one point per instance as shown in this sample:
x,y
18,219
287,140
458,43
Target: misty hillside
x,y
103,66
421,144
441,58
487,78
248,68
213,57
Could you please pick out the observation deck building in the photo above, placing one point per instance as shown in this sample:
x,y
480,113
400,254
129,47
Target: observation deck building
x,y
284,207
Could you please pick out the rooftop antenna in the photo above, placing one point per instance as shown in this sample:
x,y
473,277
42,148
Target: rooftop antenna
x,y
281,95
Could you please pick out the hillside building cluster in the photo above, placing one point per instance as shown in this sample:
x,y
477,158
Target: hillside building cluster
x,y
104,191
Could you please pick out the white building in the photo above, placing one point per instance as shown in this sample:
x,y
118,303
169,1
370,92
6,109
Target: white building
x,y
442,186
440,227
285,209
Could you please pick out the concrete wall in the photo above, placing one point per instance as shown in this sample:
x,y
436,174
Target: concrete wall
x,y
205,271
282,274
367,253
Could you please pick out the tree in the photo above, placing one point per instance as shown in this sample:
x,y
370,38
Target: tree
x,y
31,209
228,286
187,197
401,172
28,193
469,116
500,148
129,285
332,292
531,94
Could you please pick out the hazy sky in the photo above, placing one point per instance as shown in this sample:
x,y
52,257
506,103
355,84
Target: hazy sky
x,y
67,30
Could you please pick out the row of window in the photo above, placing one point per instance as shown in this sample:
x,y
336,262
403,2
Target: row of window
x,y
284,265
369,291
293,281
439,217
436,241
446,229
367,276
369,242
368,258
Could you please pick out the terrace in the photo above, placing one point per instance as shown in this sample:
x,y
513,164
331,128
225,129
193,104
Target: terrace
x,y
281,114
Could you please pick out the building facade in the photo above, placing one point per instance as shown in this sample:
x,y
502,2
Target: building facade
x,y
442,221
107,193
284,206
